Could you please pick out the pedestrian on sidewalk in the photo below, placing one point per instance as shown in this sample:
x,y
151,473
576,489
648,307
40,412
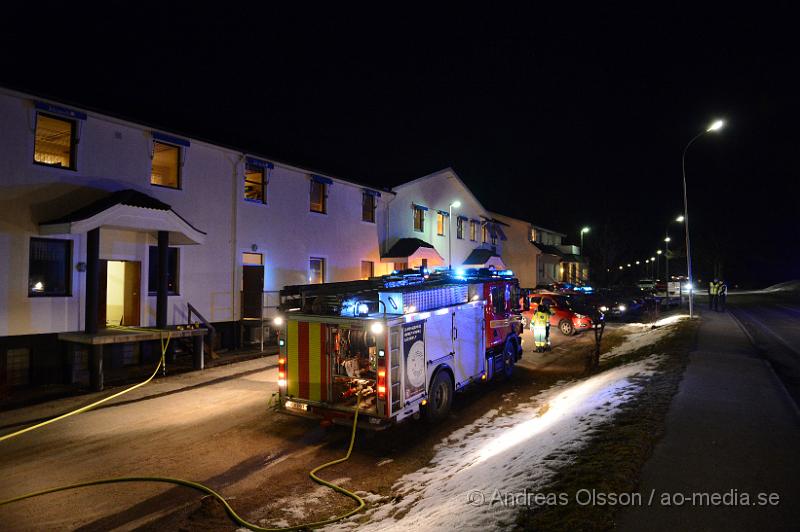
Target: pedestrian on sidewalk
x,y
722,294
713,287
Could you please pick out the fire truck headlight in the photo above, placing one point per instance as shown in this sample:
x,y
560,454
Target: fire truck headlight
x,y
376,328
278,321
622,308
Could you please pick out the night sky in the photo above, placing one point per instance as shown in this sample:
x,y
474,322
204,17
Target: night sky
x,y
564,119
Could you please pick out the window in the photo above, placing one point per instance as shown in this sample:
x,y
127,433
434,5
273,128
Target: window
x,y
367,269
50,268
368,207
419,219
54,143
318,197
473,230
498,294
316,270
440,224
166,163
534,235
252,258
400,266
172,271
255,184
485,233
460,228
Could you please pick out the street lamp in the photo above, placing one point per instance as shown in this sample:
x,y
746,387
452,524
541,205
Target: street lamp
x,y
584,230
715,126
666,264
455,205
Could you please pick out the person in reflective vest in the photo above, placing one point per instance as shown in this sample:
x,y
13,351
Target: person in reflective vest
x,y
540,324
713,291
722,294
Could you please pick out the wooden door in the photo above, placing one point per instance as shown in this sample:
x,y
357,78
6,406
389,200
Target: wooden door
x,y
131,298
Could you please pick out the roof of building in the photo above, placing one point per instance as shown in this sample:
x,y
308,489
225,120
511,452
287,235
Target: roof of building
x,y
130,197
406,247
550,250
480,256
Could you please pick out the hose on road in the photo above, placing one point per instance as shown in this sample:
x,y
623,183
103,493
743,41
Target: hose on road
x,y
196,485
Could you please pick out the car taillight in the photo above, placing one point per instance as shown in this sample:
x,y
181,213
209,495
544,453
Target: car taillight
x,y
381,384
281,372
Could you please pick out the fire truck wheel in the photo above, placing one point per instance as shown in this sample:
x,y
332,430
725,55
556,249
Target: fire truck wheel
x,y
566,328
509,358
441,397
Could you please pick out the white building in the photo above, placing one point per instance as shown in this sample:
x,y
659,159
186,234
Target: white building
x,y
229,219
437,221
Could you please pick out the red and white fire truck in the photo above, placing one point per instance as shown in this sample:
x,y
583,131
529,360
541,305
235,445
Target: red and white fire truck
x,y
404,342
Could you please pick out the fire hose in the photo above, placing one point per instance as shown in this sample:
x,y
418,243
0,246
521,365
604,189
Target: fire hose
x,y
188,483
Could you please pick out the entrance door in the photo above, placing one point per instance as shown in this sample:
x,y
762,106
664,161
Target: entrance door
x,y
252,290
120,283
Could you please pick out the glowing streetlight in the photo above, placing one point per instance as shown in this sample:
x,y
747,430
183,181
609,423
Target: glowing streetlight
x,y
716,125
583,231
680,219
658,252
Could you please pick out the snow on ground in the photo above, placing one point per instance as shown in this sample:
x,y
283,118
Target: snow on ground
x,y
643,334
500,455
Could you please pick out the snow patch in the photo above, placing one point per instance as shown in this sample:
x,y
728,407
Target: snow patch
x,y
641,335
497,455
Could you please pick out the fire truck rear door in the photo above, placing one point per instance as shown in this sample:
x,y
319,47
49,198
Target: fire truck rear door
x,y
469,342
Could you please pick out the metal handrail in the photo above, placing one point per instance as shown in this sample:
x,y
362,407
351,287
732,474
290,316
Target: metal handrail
x,y
206,324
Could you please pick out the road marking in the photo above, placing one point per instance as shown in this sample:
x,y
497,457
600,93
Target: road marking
x,y
773,333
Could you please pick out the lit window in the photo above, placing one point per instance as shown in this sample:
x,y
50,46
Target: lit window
x,y
368,207
367,269
440,224
460,228
166,163
485,233
172,271
54,144
473,230
256,259
400,266
419,219
255,185
318,196
316,270
49,268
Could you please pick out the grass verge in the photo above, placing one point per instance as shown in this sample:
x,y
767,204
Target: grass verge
x,y
617,451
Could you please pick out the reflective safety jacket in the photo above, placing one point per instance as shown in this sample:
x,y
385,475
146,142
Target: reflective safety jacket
x,y
541,318
713,287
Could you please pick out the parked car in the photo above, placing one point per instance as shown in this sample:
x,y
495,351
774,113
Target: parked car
x,y
646,284
567,318
619,304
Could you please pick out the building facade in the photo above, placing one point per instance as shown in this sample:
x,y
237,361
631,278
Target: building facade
x,y
72,179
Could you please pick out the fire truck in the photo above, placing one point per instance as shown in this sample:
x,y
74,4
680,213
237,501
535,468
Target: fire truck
x,y
397,346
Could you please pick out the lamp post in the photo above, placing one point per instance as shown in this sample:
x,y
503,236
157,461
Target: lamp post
x,y
456,204
715,126
666,264
584,230
658,253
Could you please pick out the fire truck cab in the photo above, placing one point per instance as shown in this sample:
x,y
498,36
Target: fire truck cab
x,y
396,346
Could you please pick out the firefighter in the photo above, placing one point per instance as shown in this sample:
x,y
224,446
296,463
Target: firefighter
x,y
713,286
722,294
540,324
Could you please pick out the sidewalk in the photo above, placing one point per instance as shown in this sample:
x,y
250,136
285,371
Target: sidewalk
x,y
730,427
11,420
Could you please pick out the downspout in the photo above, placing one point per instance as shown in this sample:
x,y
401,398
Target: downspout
x,y
234,236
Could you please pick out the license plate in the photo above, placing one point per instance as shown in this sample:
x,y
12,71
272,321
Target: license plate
x,y
291,405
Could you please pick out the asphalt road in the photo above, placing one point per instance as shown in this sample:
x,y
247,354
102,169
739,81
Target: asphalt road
x,y
773,323
215,427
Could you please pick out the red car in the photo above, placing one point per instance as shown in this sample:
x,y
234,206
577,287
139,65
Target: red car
x,y
565,318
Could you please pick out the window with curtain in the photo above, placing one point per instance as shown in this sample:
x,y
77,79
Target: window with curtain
x,y
49,268
54,143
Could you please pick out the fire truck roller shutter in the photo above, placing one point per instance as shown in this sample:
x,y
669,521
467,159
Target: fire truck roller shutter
x,y
307,371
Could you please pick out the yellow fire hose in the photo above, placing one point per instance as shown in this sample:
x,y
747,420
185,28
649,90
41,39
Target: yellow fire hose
x,y
188,483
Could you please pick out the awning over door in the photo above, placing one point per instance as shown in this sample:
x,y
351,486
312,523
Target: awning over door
x,y
129,210
411,249
484,258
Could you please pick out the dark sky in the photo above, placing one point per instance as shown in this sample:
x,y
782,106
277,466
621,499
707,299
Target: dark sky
x,y
565,119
